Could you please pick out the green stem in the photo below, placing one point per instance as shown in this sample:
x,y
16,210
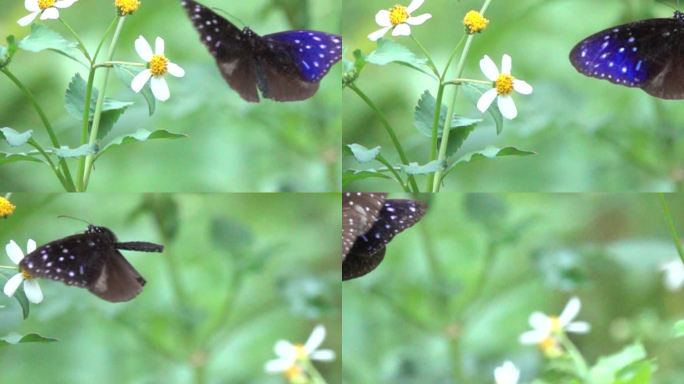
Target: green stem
x,y
576,355
316,377
431,63
394,172
110,64
70,187
54,168
390,132
437,182
98,105
472,81
81,46
671,225
14,268
85,126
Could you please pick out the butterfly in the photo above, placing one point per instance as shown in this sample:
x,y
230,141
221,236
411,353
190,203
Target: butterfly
x,y
369,222
90,260
646,54
284,66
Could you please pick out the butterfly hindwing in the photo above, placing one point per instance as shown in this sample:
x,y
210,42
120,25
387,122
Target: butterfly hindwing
x,y
118,280
359,213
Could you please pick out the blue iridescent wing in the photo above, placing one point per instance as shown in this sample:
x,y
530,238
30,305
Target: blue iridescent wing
x,y
646,54
315,52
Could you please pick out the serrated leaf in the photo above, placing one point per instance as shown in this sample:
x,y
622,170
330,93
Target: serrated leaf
x,y
606,369
83,150
492,152
126,74
389,51
352,175
431,167
15,138
363,154
42,38
13,339
140,136
473,92
423,120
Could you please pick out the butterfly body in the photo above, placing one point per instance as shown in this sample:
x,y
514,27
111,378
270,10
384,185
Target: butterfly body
x,y
369,223
285,66
647,54
90,260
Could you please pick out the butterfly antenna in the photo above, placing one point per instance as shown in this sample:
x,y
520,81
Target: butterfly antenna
x,y
228,14
73,218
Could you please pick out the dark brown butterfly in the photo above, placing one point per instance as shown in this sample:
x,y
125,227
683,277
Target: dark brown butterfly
x,y
284,66
90,260
369,222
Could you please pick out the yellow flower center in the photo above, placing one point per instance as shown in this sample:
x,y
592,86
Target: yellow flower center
x,y
293,373
45,4
159,65
398,15
6,208
25,274
550,347
126,7
556,326
475,22
301,352
504,85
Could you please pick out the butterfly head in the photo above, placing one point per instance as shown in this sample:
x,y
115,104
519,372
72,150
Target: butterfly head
x,y
104,232
679,16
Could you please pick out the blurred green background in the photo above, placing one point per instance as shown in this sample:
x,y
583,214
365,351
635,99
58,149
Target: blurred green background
x,y
238,273
455,291
589,135
232,145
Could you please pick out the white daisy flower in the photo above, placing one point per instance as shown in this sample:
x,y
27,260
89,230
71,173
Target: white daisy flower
x,y
157,67
504,85
47,9
399,20
507,373
31,287
289,354
673,274
544,327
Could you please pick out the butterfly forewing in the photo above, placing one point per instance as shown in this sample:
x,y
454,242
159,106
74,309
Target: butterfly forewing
x,y
359,213
647,54
316,52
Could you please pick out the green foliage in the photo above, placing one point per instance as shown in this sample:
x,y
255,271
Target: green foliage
x,y
14,138
29,338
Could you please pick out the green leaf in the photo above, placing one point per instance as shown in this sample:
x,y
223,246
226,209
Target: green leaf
x,y
431,167
390,51
126,74
352,175
492,152
140,136
679,329
75,100
363,154
7,52
352,69
606,369
13,339
42,38
637,373
7,157
473,92
83,150
461,126
14,138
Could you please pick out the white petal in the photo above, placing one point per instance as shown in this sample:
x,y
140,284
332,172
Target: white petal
x,y
489,69
486,100
277,365
315,340
175,70
32,291
378,34
533,337
674,275
323,355
506,374
506,64
140,80
14,252
31,5
578,327
159,46
507,107
418,20
284,348
383,18
51,13
401,30
539,320
522,87
415,4
142,47
64,3
570,312
12,284
160,89
28,19
30,246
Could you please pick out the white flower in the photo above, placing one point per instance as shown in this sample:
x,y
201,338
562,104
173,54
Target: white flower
x,y
157,66
544,327
674,274
289,354
47,9
507,374
31,287
399,19
504,85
